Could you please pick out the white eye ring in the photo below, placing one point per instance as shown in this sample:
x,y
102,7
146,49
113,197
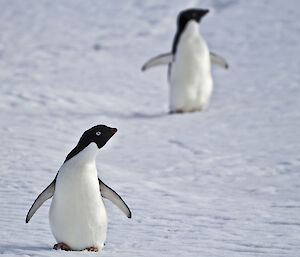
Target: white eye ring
x,y
98,133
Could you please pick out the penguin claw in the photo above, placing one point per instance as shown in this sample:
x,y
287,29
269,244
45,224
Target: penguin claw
x,y
177,111
65,247
91,249
61,246
182,111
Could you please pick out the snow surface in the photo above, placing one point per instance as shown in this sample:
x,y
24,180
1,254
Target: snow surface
x,y
223,182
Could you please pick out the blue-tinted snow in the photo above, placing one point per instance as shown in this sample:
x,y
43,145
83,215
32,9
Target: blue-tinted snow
x,y
224,182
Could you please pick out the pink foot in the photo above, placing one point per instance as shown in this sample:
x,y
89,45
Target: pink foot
x,y
177,111
61,246
197,110
92,249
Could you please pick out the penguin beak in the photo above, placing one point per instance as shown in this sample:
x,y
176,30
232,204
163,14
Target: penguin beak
x,y
204,12
200,13
114,130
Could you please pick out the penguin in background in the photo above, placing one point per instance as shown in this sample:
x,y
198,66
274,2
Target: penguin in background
x,y
77,214
189,71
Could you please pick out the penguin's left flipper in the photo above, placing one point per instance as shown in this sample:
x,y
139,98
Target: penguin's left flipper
x,y
111,195
167,58
45,195
161,59
218,60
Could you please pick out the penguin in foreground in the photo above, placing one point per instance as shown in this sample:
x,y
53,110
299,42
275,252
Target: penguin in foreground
x,y
189,63
77,215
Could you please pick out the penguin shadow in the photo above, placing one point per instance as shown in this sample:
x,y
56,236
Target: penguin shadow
x,y
137,115
141,115
121,115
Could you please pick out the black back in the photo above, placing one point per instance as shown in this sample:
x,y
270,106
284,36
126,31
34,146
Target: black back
x,y
99,134
182,19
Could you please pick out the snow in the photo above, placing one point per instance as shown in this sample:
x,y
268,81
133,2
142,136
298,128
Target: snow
x,y
223,182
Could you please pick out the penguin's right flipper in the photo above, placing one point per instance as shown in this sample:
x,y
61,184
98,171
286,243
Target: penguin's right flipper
x,y
45,195
167,58
161,59
111,195
218,60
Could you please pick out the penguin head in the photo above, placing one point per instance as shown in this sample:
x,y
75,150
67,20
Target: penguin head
x,y
183,19
190,14
98,134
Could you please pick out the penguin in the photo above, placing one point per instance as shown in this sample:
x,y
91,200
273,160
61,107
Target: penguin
x,y
77,214
189,71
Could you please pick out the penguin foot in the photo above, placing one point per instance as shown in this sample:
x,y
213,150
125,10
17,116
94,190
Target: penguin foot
x,y
200,109
177,111
61,246
91,249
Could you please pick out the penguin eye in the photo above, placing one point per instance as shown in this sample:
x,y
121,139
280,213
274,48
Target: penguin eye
x,y
98,133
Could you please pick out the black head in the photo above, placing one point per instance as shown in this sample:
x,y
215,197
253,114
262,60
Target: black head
x,y
190,14
183,18
99,134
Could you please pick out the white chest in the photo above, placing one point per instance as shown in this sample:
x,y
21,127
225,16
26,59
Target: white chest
x,y
190,77
77,213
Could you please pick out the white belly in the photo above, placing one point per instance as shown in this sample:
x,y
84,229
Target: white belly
x,y
190,76
77,213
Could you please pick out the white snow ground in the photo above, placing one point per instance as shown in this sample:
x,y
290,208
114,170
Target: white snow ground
x,y
224,182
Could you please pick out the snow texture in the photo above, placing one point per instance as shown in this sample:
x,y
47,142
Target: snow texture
x,y
223,182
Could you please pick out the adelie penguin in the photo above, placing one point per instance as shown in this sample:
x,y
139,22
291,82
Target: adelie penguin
x,y
77,215
189,63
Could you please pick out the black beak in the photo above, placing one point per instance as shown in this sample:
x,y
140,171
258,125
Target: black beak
x,y
204,12
114,130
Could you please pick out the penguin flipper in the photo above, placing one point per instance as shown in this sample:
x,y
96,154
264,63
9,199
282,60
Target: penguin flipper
x,y
218,60
45,195
111,195
161,59
164,59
